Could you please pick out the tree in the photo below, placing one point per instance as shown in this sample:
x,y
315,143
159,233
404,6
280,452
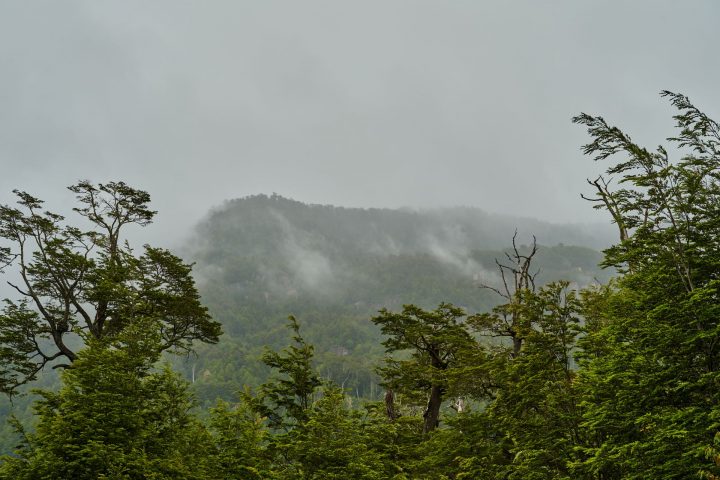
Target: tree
x,y
651,360
115,417
527,426
88,283
511,320
436,340
241,439
535,412
284,400
333,443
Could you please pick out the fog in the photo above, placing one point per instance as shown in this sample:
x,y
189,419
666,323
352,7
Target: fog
x,y
368,104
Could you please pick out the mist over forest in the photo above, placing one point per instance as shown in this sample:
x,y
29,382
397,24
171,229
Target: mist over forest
x,y
494,254
262,258
285,246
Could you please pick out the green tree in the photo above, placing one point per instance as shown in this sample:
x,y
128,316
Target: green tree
x,y
88,283
511,321
115,417
333,443
533,417
527,425
321,439
651,355
285,399
436,341
241,439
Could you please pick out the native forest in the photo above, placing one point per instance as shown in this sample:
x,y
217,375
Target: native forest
x,y
286,340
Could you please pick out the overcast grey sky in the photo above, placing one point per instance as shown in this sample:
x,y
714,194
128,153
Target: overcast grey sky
x,y
365,103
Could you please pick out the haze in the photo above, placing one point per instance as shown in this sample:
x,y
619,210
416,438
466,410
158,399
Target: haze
x,y
370,104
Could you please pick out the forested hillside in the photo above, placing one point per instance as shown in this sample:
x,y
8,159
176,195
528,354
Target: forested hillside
x,y
533,364
262,258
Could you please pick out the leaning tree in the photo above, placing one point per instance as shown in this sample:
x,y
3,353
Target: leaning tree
x,y
75,282
650,366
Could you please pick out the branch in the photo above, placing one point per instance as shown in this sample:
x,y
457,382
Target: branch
x,y
26,294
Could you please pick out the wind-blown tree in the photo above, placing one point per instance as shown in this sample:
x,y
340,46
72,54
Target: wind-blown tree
x,y
86,281
651,360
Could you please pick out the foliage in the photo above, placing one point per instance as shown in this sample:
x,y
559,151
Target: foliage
x,y
321,439
650,369
115,417
615,381
436,341
241,440
333,443
89,283
285,399
534,415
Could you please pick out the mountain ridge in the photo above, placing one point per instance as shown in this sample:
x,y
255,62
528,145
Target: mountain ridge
x,y
262,258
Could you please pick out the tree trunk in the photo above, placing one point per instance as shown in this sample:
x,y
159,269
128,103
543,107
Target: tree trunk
x,y
517,345
390,405
432,412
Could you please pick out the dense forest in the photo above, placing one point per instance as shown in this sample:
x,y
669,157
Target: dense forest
x,y
261,258
436,344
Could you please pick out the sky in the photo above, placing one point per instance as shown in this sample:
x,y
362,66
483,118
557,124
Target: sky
x,y
366,104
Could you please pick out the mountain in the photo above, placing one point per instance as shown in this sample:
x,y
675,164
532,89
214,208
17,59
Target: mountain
x,y
262,258
259,259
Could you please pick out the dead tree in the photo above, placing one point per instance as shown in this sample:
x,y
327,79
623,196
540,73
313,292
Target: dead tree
x,y
517,279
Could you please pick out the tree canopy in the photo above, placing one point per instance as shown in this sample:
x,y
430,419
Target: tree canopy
x,y
83,281
650,360
559,381
115,417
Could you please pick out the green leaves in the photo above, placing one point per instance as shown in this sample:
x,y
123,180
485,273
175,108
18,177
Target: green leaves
x,y
90,284
166,290
650,365
286,398
241,439
333,443
20,330
436,341
530,425
112,205
115,417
